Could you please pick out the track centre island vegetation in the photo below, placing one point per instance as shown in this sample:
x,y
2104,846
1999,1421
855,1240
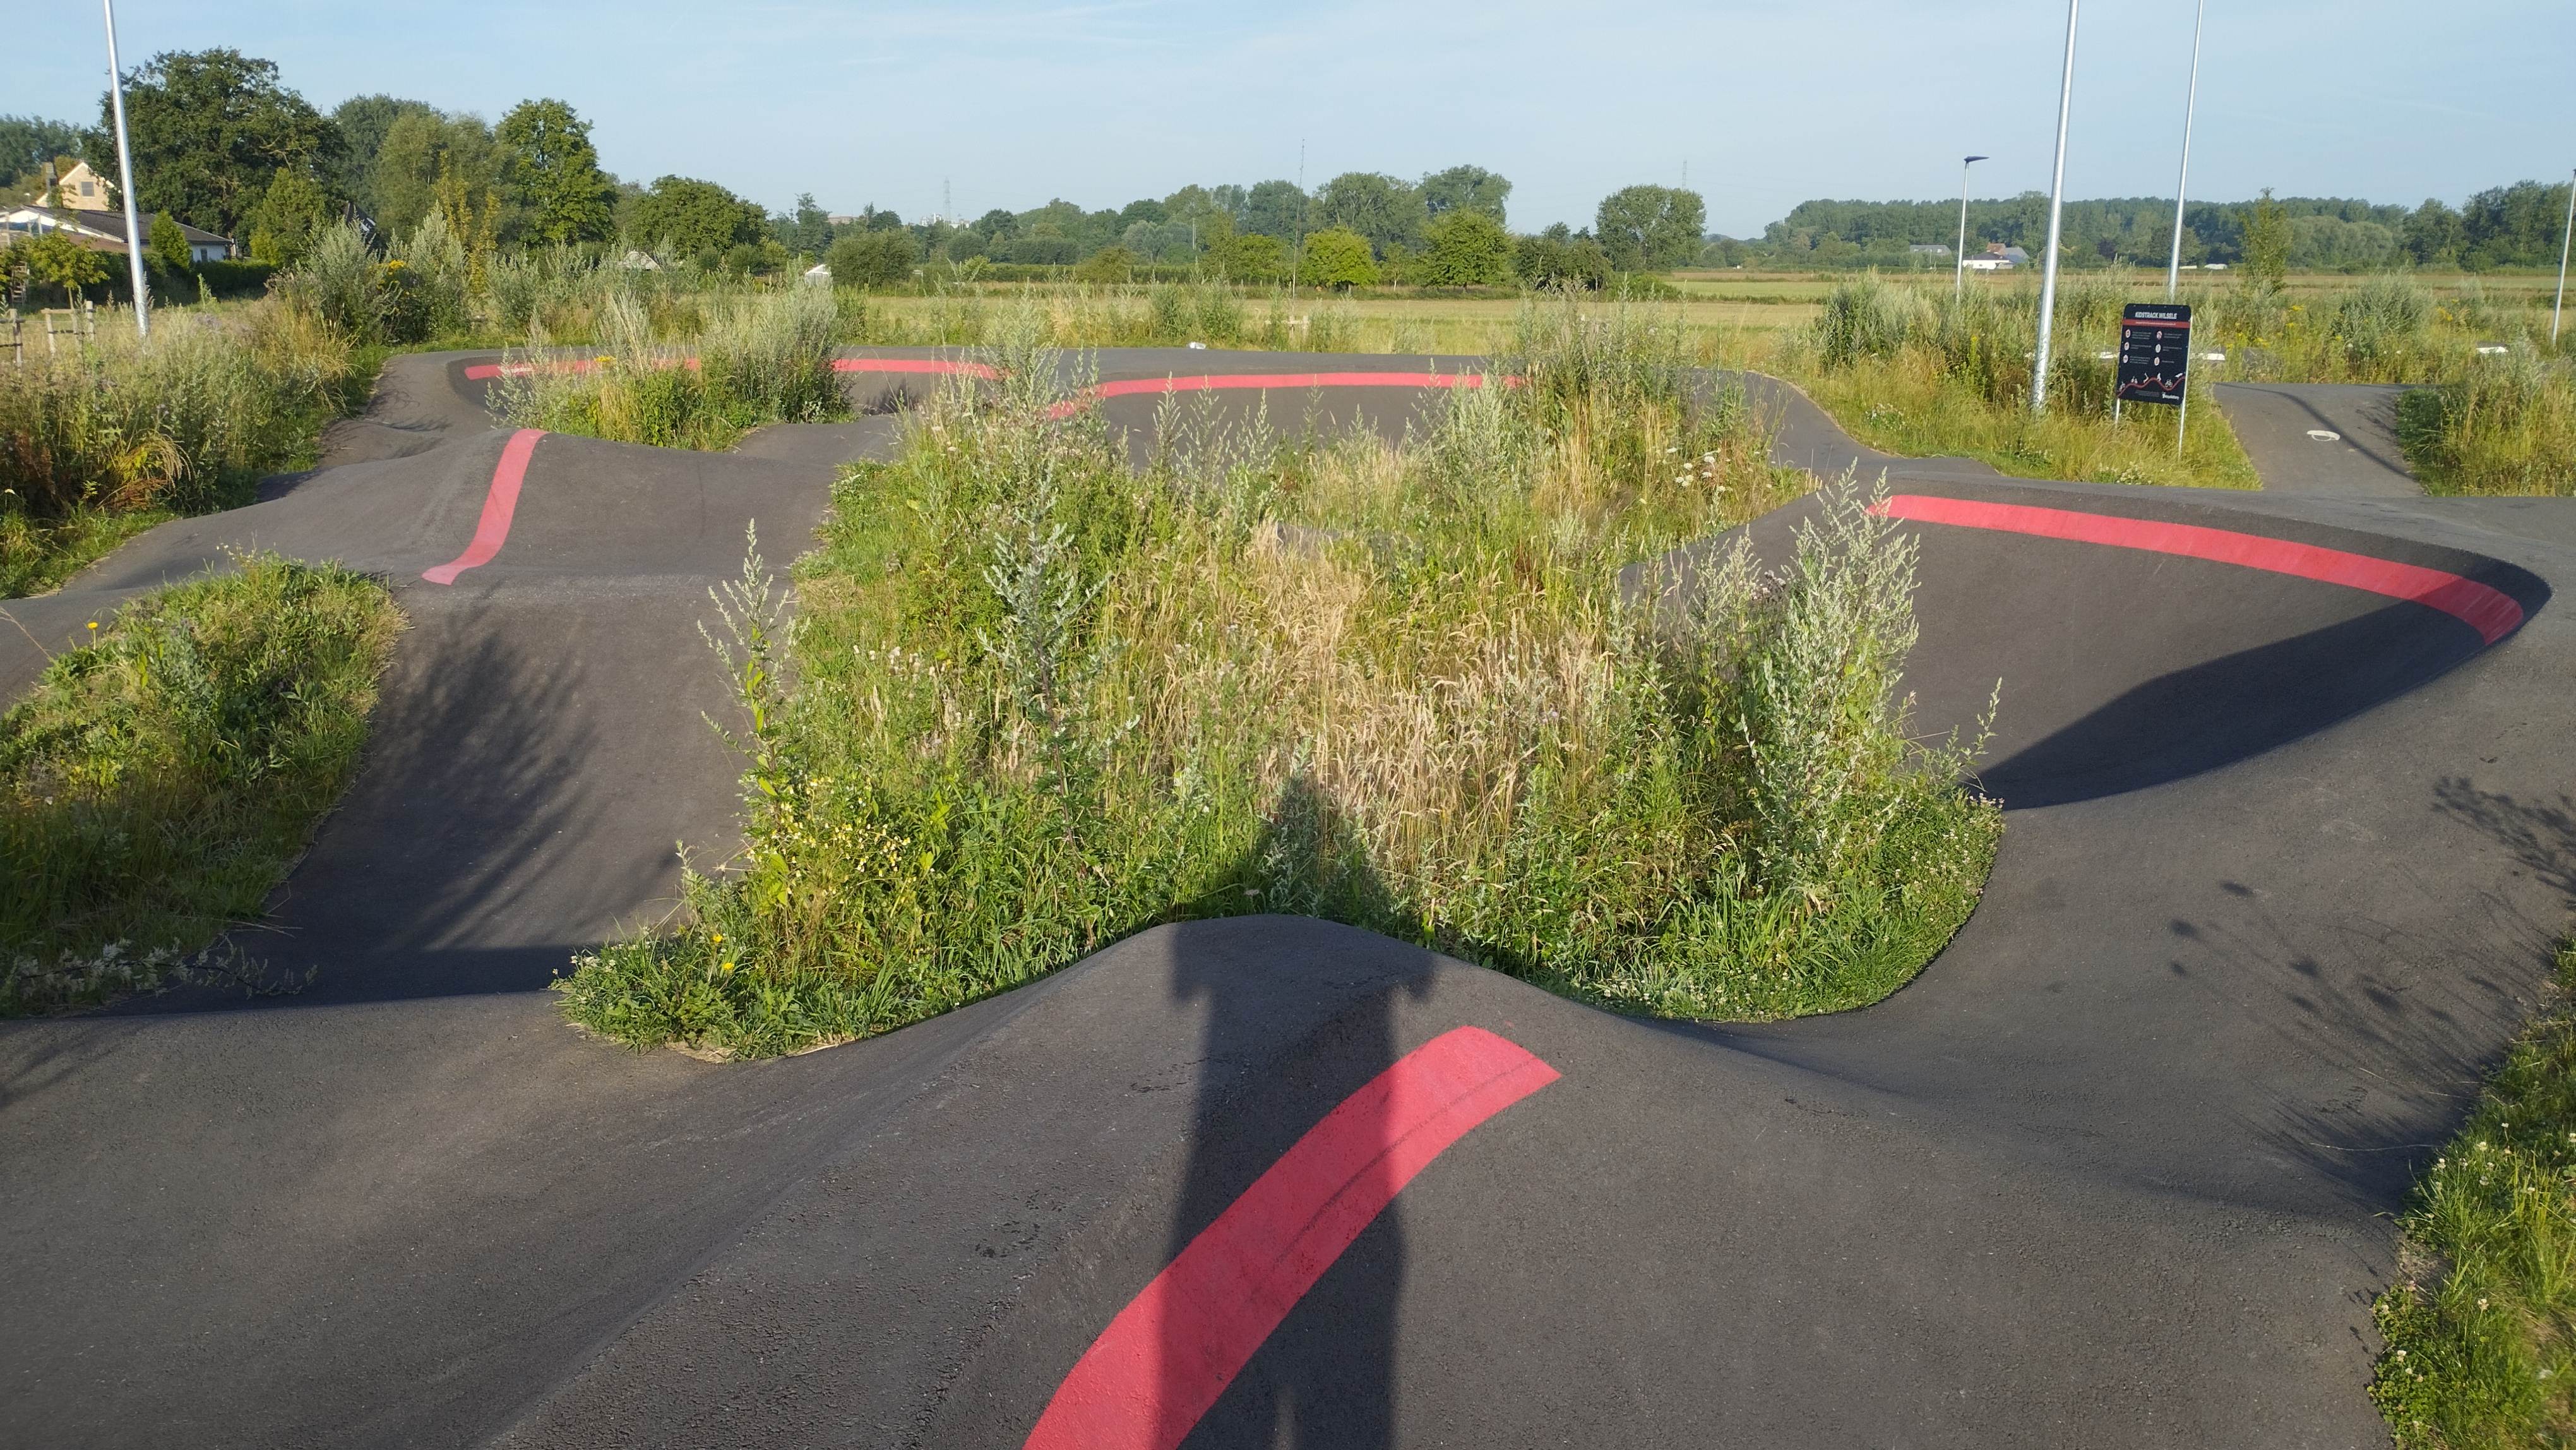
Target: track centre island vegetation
x,y
160,780
1041,701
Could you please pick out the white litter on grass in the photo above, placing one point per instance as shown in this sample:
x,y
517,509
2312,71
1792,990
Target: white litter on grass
x,y
2325,435
1198,347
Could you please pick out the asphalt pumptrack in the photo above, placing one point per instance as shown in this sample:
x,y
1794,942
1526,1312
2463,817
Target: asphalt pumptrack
x,y
2290,839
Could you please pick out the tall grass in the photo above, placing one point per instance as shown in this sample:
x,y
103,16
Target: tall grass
x,y
765,359
1912,370
99,441
2498,426
159,781
2481,1327
1918,372
1042,703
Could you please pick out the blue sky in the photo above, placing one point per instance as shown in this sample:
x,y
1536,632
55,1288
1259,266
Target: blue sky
x,y
1013,103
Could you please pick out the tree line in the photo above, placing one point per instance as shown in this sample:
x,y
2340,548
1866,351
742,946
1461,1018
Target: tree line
x,y
221,143
2505,226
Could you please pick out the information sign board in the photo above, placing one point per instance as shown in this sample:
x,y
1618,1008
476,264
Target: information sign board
x,y
2155,352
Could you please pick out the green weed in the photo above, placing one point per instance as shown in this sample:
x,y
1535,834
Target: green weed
x,y
158,782
766,359
2481,1328
1042,703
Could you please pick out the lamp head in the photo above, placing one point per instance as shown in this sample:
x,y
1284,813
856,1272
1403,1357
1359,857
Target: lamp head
x,y
1973,160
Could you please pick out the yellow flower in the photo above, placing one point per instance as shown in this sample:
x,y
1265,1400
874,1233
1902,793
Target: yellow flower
x,y
727,967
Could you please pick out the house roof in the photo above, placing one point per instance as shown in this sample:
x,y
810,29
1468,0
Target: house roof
x,y
112,224
103,226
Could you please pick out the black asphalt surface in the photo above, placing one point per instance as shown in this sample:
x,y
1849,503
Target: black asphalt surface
x,y
2330,438
2284,864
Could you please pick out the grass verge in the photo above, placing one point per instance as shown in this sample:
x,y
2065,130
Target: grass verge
x,y
1043,703
2481,1327
158,782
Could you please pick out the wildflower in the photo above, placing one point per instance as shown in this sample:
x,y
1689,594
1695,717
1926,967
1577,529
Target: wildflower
x,y
727,967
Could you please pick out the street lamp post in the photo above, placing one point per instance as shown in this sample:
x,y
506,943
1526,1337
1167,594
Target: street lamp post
x,y
125,174
2563,238
1959,264
2191,100
2056,211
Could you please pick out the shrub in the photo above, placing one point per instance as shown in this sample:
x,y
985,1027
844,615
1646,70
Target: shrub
x,y
1338,257
341,281
1108,265
1545,261
1468,248
871,258
1250,257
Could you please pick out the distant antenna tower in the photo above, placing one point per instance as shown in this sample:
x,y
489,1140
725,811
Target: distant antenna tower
x,y
947,203
1685,173
1297,252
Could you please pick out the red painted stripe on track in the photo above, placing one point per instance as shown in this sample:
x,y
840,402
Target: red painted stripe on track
x,y
912,365
480,371
499,504
2490,612
1172,1351
1216,381
1220,382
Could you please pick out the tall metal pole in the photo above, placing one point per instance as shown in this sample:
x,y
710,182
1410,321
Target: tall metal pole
x,y
2191,99
125,174
1959,264
2563,238
2056,210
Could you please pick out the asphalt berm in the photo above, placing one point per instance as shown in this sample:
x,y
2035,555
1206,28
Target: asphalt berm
x,y
2290,839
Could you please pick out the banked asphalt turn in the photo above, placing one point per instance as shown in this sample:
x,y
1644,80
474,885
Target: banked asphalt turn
x,y
2286,853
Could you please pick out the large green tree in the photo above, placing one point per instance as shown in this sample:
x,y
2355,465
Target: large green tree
x,y
1469,248
872,258
1646,228
55,257
364,122
555,170
1337,257
28,142
2267,242
1274,209
288,217
211,128
1390,213
1471,187
423,150
696,217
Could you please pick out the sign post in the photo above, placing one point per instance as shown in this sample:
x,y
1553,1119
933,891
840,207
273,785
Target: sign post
x,y
2155,360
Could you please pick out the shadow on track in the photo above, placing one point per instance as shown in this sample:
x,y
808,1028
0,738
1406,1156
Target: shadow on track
x,y
1326,1376
2231,708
